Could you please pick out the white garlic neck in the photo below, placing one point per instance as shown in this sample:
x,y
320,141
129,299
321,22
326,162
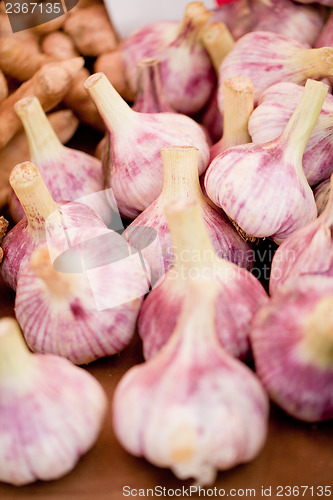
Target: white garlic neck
x,y
14,353
181,177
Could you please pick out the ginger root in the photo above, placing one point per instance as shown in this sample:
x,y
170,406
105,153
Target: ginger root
x,y
3,87
59,45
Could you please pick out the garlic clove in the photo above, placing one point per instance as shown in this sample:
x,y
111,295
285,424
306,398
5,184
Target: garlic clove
x,y
77,173
238,106
279,102
135,170
181,181
293,345
308,251
322,193
293,61
51,412
44,218
240,293
87,309
192,408
244,180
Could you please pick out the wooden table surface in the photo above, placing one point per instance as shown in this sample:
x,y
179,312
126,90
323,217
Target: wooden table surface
x,y
295,454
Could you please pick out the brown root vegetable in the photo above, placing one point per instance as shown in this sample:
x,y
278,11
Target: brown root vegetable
x,y
63,122
91,30
19,59
60,45
50,26
80,102
3,87
50,84
111,65
3,229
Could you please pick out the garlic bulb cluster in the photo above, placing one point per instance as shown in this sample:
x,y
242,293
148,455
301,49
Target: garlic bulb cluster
x,y
322,193
186,70
308,251
292,344
150,96
192,407
133,166
81,314
51,411
262,187
268,58
279,102
44,218
299,22
68,173
238,106
181,181
240,294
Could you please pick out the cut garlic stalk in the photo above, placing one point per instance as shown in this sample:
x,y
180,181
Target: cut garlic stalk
x,y
218,41
192,407
240,293
262,187
292,343
51,412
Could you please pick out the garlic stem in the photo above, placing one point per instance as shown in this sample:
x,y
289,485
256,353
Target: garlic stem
x,y
314,63
328,211
238,106
13,350
191,244
35,198
150,86
303,120
181,178
218,41
195,17
115,112
41,136
318,340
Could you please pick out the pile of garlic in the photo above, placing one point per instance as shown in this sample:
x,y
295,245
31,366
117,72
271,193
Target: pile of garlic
x,y
213,132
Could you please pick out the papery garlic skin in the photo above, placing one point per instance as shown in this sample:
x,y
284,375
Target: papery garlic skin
x,y
268,58
307,251
322,193
62,313
279,102
51,412
134,168
240,294
179,409
292,345
262,187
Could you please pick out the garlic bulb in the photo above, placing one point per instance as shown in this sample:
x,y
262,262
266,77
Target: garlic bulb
x,y
267,58
307,251
68,173
135,170
181,182
83,315
292,344
299,22
278,103
150,97
262,187
240,294
238,106
186,71
322,193
192,407
44,218
325,39
51,411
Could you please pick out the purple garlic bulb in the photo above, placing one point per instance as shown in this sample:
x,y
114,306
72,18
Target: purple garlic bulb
x,y
44,218
268,58
181,181
192,407
68,173
322,194
186,70
292,343
133,167
278,103
325,39
262,187
51,412
240,294
307,251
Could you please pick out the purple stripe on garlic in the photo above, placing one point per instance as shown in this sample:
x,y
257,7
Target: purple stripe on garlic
x,y
192,407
